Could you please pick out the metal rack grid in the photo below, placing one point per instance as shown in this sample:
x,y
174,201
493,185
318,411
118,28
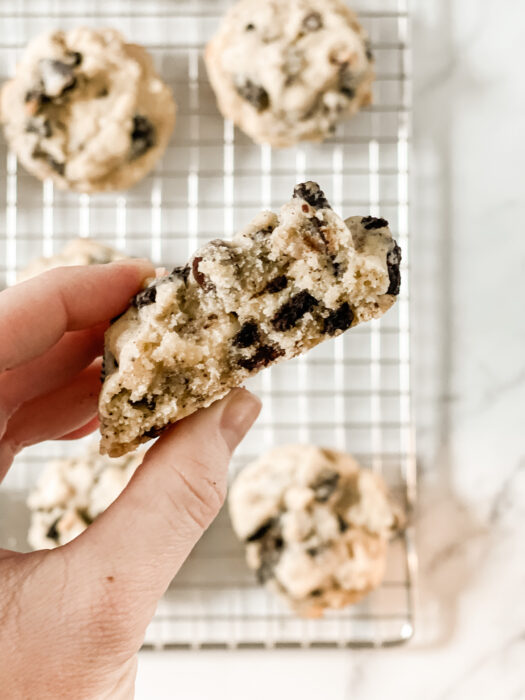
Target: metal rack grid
x,y
351,393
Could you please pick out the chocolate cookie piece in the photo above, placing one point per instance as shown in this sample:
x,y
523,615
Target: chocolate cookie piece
x,y
274,291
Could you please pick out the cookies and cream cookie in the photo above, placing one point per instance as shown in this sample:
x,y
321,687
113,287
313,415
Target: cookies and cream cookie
x,y
79,251
72,492
290,71
315,525
285,283
87,110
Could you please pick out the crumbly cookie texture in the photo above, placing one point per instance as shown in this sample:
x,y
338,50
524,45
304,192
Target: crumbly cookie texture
x,y
80,251
87,110
290,71
280,287
72,492
315,525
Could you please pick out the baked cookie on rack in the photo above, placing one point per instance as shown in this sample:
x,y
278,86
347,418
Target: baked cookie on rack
x,y
79,251
286,72
316,526
72,492
87,110
285,283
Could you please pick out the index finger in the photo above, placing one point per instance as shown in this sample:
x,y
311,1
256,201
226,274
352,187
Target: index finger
x,y
35,314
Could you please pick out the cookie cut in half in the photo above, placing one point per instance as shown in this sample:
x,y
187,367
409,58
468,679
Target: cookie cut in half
x,y
316,526
285,283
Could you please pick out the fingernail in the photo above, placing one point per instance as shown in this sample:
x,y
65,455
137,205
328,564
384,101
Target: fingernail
x,y
238,416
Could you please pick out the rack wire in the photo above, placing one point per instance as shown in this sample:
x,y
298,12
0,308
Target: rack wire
x,y
352,393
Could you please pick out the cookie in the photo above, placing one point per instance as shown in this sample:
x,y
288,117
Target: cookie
x,y
286,72
280,287
315,526
87,110
80,251
72,492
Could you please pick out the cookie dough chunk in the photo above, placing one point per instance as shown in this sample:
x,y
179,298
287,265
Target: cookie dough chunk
x,y
280,287
316,526
71,493
87,110
80,251
289,71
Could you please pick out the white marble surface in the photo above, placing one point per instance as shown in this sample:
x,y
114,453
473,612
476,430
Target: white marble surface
x,y
469,254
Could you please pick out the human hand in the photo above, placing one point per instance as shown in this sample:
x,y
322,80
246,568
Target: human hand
x,y
72,619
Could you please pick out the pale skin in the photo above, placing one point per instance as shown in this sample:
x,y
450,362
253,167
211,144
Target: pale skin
x,y
72,619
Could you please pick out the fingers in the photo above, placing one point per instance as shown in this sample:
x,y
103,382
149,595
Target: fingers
x,y
51,416
141,541
35,314
82,432
74,352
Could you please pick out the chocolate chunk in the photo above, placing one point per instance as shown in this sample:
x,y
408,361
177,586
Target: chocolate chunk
x,y
293,310
76,57
142,136
262,357
316,593
146,402
261,531
325,485
339,320
249,27
277,284
368,50
256,95
393,260
313,551
347,82
343,525
145,297
248,335
312,22
39,126
109,364
271,544
371,223
53,533
311,193
59,168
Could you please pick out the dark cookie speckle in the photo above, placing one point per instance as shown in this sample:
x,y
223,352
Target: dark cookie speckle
x,y
261,531
293,310
393,260
247,336
311,193
142,136
371,223
339,320
256,95
262,357
277,284
325,486
145,297
52,533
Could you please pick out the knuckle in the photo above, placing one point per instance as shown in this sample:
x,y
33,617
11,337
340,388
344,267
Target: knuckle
x,y
203,493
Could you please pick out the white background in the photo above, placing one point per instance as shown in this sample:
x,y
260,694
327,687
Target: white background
x,y
469,266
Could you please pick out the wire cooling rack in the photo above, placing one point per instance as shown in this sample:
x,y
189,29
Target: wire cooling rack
x,y
351,393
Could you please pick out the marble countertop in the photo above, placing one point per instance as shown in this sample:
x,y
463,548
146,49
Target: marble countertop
x,y
469,340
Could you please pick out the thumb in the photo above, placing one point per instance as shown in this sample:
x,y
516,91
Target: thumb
x,y
140,542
